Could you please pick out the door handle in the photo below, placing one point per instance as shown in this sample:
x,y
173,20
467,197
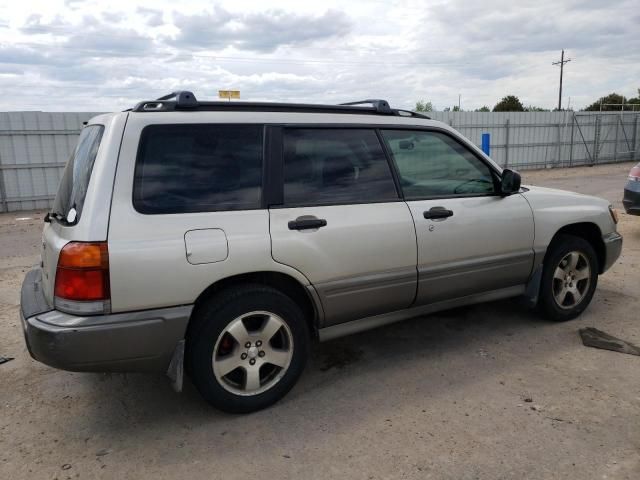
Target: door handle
x,y
307,223
438,212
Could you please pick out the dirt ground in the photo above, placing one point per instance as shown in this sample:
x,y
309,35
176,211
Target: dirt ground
x,y
484,392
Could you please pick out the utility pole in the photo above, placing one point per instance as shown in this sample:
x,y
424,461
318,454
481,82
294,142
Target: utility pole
x,y
561,63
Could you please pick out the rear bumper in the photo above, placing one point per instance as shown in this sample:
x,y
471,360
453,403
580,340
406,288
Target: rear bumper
x,y
612,249
631,198
124,342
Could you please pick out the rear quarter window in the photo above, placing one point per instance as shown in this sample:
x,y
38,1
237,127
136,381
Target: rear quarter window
x,y
198,168
72,190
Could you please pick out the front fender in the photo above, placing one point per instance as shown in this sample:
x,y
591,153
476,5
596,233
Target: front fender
x,y
556,209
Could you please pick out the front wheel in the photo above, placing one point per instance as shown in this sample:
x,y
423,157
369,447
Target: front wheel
x,y
569,278
247,348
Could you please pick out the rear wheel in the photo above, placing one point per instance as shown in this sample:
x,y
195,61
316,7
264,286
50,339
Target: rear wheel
x,y
569,278
247,348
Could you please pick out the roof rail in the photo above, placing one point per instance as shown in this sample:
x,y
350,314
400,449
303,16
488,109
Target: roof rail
x,y
409,113
185,100
381,106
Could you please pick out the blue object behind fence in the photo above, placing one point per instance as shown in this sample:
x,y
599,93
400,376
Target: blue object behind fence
x,y
486,142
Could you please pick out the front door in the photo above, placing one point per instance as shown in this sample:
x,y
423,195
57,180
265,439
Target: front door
x,y
342,223
470,239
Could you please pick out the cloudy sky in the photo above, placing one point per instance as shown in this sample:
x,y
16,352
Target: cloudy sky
x,y
107,55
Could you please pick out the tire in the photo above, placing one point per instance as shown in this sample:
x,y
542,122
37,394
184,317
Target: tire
x,y
275,330
559,273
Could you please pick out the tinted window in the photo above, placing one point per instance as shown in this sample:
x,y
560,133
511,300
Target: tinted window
x,y
198,168
332,166
432,164
77,173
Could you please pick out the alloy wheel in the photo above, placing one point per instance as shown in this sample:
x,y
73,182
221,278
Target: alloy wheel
x,y
252,353
571,280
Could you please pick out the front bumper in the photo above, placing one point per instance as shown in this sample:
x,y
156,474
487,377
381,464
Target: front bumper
x,y
631,198
140,341
612,249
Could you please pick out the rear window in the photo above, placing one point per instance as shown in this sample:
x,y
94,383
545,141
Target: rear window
x,y
75,178
198,168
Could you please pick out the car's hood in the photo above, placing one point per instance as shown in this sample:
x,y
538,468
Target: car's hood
x,y
553,196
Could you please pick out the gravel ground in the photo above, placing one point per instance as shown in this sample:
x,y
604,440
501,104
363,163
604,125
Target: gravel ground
x,y
484,392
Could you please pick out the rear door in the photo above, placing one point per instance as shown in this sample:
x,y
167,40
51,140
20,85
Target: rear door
x,y
187,208
470,239
340,221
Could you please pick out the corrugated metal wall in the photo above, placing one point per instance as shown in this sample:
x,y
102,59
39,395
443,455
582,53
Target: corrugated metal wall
x,y
34,146
526,140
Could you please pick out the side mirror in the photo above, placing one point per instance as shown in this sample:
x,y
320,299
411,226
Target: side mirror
x,y
510,182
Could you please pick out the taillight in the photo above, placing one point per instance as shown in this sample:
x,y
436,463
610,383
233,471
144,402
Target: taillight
x,y
82,278
634,174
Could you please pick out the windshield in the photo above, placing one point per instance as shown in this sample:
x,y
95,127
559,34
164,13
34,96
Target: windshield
x,y
75,178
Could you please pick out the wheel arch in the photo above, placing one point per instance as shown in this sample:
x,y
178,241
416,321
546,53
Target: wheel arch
x,y
588,231
278,280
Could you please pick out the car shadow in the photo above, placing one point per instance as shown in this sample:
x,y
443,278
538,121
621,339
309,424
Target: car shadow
x,y
366,363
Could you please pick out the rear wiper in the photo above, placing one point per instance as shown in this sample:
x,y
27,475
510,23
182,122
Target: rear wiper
x,y
55,216
68,220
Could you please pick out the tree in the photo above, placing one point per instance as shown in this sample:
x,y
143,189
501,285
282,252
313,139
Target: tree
x,y
532,108
612,98
510,103
483,109
615,102
422,106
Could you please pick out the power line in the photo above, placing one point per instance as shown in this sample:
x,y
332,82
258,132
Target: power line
x,y
561,63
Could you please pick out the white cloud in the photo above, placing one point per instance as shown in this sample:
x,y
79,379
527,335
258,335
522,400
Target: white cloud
x,y
94,55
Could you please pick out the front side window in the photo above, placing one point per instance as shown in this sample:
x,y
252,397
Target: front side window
x,y
432,164
198,168
327,166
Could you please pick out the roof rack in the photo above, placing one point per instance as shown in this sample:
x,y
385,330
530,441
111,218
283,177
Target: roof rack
x,y
185,100
381,106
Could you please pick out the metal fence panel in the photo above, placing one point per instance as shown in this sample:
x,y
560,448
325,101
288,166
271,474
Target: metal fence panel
x,y
528,140
34,146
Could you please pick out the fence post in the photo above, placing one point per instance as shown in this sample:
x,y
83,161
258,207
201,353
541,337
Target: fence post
x,y
635,137
3,197
559,153
596,141
573,126
506,143
486,144
615,145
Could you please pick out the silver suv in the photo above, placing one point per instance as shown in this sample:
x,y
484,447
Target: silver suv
x,y
231,235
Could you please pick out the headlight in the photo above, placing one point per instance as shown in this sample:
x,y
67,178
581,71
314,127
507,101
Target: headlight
x,y
614,214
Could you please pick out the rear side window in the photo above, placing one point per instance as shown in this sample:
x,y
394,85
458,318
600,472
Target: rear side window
x,y
335,166
77,173
198,168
